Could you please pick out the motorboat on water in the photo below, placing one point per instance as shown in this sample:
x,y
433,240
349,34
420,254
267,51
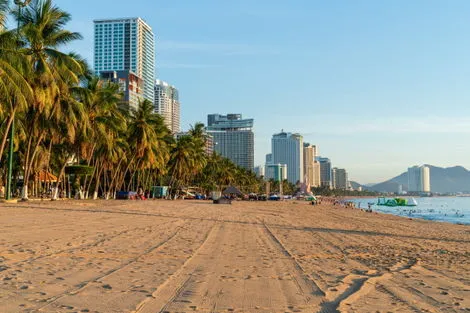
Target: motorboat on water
x,y
393,202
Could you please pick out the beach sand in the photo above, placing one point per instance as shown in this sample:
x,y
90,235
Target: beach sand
x,y
193,256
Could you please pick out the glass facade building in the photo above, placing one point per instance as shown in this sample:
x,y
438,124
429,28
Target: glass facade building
x,y
325,172
126,44
287,148
233,138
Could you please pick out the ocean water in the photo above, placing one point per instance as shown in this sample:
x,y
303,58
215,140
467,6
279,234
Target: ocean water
x,y
444,209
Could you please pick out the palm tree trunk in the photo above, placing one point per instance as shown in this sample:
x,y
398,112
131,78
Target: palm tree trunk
x,y
131,181
97,186
6,134
123,178
61,174
24,195
87,188
29,164
111,185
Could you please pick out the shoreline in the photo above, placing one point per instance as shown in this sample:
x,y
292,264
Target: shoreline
x,y
72,201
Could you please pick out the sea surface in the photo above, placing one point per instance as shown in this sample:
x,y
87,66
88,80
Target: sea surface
x,y
444,209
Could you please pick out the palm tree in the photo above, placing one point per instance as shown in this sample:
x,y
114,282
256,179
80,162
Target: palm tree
x,y
102,135
181,162
15,92
149,140
51,74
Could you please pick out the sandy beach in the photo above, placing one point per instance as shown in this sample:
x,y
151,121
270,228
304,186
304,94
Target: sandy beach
x,y
193,256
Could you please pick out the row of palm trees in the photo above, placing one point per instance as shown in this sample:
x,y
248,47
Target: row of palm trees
x,y
65,115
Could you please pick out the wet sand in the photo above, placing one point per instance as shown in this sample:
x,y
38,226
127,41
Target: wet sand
x,y
193,256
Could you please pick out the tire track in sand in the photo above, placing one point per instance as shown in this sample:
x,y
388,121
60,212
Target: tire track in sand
x,y
81,286
309,286
175,284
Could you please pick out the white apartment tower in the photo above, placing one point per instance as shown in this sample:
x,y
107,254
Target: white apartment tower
x,y
287,148
126,44
167,104
419,179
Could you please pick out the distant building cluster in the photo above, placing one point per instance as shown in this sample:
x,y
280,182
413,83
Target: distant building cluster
x,y
297,161
124,53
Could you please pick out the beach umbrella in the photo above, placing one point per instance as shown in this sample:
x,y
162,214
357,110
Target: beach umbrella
x,y
232,190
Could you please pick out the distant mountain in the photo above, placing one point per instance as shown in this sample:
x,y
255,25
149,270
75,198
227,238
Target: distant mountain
x,y
356,185
450,179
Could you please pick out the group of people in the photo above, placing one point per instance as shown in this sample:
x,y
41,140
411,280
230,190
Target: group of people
x,y
142,194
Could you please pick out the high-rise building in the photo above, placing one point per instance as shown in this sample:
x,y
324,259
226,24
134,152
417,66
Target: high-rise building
x,y
317,174
233,138
277,172
167,104
426,174
287,148
325,172
419,179
130,85
126,44
340,178
311,166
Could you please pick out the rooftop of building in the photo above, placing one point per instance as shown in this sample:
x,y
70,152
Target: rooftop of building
x,y
230,121
159,82
284,134
123,19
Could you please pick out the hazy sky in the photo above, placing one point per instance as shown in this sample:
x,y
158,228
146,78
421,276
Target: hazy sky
x,y
377,85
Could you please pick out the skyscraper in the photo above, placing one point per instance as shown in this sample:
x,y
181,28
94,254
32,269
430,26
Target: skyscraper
x,y
126,44
167,104
339,178
325,172
311,166
287,148
233,138
419,179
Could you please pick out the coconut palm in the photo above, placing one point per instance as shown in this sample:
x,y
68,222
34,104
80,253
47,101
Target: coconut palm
x,y
149,140
51,74
15,92
101,138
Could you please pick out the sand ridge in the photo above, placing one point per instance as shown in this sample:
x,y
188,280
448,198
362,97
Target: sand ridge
x,y
193,256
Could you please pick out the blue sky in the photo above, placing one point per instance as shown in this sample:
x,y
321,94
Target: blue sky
x,y
377,85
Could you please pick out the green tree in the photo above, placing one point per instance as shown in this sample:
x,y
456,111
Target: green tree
x,y
51,73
